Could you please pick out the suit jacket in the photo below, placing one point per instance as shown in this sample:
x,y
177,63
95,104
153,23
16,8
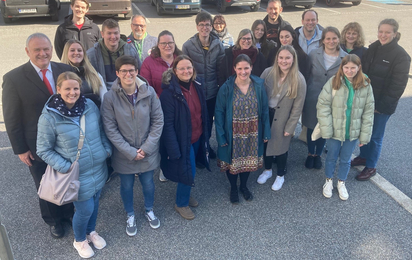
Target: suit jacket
x,y
24,96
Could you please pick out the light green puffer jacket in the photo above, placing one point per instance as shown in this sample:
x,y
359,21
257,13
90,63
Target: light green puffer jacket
x,y
332,117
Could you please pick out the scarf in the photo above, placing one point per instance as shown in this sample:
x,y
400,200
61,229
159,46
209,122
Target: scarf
x,y
251,52
58,103
221,34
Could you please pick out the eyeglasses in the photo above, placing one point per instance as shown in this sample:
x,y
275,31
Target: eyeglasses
x,y
246,39
202,25
164,44
139,25
124,72
183,69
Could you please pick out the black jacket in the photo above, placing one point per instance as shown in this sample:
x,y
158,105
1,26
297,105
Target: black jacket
x,y
227,65
24,96
357,50
282,23
88,34
387,66
176,137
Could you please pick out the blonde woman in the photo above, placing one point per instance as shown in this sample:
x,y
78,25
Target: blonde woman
x,y
353,39
93,86
286,90
57,139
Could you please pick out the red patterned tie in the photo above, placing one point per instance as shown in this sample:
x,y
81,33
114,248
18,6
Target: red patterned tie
x,y
46,81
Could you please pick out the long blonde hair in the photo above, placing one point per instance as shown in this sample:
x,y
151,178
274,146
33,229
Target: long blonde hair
x,y
90,74
292,78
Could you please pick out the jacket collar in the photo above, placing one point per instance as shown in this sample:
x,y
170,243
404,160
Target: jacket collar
x,y
171,82
214,40
320,52
141,83
69,23
280,19
377,45
255,80
34,77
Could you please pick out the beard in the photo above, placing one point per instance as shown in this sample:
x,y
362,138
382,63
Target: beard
x,y
138,35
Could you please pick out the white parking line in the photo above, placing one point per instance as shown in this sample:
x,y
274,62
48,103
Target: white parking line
x,y
206,11
375,6
390,189
336,12
140,12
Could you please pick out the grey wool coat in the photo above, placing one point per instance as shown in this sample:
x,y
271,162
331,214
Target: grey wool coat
x,y
286,116
132,127
318,77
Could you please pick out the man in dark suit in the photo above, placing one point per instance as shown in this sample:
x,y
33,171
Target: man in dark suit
x,y
25,91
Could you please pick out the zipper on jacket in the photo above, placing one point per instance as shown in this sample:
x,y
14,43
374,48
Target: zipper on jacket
x,y
351,115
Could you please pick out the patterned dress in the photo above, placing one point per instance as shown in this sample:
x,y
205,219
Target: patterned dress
x,y
245,133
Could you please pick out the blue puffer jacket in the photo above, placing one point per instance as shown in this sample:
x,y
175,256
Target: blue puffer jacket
x,y
57,140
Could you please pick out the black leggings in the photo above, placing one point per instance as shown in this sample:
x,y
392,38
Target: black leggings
x,y
280,159
233,179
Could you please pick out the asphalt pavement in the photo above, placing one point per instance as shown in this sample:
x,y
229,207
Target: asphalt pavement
x,y
296,222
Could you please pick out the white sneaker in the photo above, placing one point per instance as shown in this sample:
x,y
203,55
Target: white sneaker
x,y
98,241
161,176
154,222
131,228
327,188
277,185
343,192
266,174
83,248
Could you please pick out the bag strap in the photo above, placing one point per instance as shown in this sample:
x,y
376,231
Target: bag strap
x,y
333,92
82,135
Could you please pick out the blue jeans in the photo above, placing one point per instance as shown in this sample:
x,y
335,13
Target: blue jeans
x,y
126,190
84,219
183,190
312,145
372,151
344,152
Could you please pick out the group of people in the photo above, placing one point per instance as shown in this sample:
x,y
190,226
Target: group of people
x,y
147,104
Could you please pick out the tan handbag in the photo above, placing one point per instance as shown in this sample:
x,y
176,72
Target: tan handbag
x,y
63,188
316,134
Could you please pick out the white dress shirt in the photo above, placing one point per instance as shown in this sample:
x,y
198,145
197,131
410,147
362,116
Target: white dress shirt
x,y
49,75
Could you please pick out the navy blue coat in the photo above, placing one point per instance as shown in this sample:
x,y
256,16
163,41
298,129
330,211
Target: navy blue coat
x,y
175,142
357,50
